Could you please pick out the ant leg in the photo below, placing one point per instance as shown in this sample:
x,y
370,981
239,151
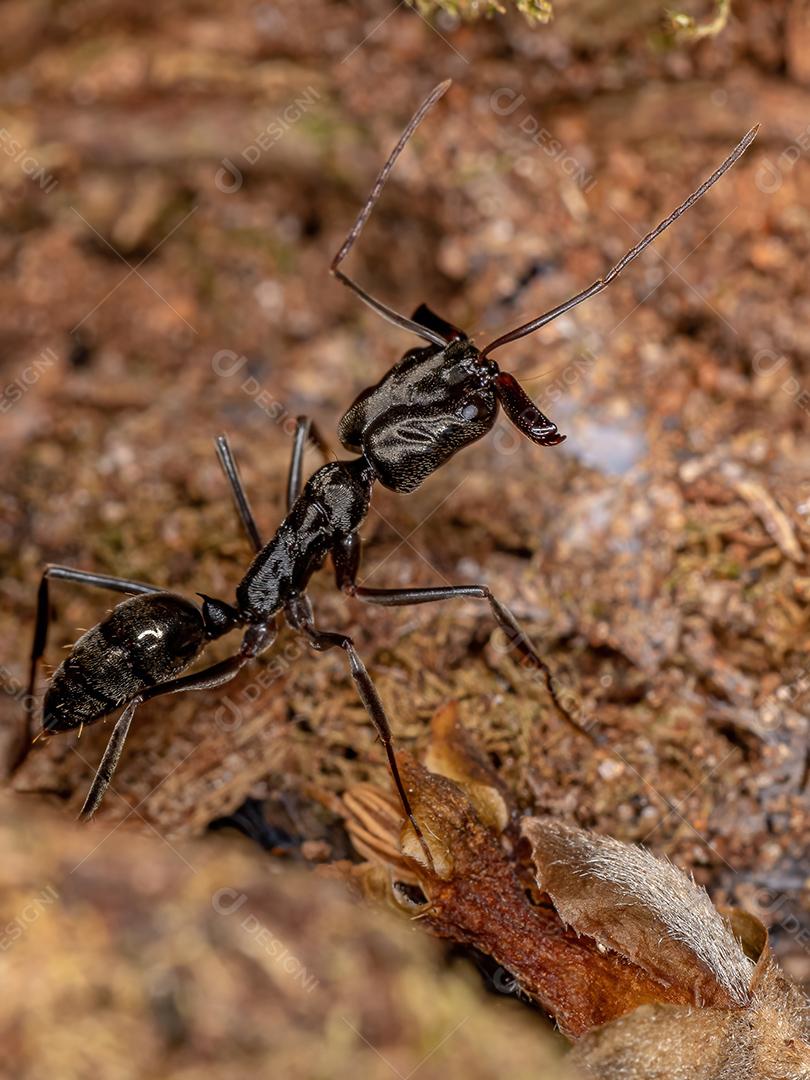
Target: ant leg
x,y
503,617
109,761
228,463
305,430
255,641
346,560
81,577
367,691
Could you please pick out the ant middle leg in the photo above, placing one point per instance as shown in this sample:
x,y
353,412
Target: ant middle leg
x,y
346,559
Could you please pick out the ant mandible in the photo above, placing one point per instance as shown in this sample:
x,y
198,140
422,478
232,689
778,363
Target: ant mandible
x,y
437,400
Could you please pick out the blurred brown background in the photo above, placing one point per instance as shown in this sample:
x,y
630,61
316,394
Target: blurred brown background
x,y
173,184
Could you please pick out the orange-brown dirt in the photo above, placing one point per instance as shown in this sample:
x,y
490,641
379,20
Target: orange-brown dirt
x,y
150,299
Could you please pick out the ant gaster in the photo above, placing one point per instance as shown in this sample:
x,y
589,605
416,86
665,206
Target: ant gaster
x,y
437,400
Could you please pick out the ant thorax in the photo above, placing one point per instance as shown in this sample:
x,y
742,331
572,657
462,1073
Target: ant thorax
x,y
333,504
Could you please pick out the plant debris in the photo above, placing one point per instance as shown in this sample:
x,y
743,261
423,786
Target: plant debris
x,y
688,27
627,953
534,11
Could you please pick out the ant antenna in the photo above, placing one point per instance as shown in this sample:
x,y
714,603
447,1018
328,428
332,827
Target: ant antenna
x,y
603,282
386,312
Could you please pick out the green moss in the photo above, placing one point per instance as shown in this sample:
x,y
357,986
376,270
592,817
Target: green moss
x,y
729,569
535,11
688,27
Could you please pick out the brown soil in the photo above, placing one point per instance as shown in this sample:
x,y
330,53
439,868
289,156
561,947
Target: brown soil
x,y
659,556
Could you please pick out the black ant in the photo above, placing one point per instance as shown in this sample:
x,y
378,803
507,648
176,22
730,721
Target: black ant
x,y
434,402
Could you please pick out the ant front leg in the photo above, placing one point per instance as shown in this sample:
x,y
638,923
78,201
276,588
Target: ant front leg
x,y
347,558
305,431
299,615
228,463
80,577
256,640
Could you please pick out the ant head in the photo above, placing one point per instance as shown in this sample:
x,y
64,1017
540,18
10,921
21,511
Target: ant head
x,y
443,417
433,403
430,405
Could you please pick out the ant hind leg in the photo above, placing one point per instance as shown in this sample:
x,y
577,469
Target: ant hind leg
x,y
109,761
369,695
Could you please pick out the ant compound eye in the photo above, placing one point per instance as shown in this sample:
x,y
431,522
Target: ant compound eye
x,y
470,412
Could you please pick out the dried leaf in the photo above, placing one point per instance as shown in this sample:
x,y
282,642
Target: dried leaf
x,y
755,1023
662,1042
644,908
374,820
749,932
633,959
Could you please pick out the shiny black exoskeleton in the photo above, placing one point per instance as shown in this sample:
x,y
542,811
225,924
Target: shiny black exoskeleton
x,y
437,400
144,641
